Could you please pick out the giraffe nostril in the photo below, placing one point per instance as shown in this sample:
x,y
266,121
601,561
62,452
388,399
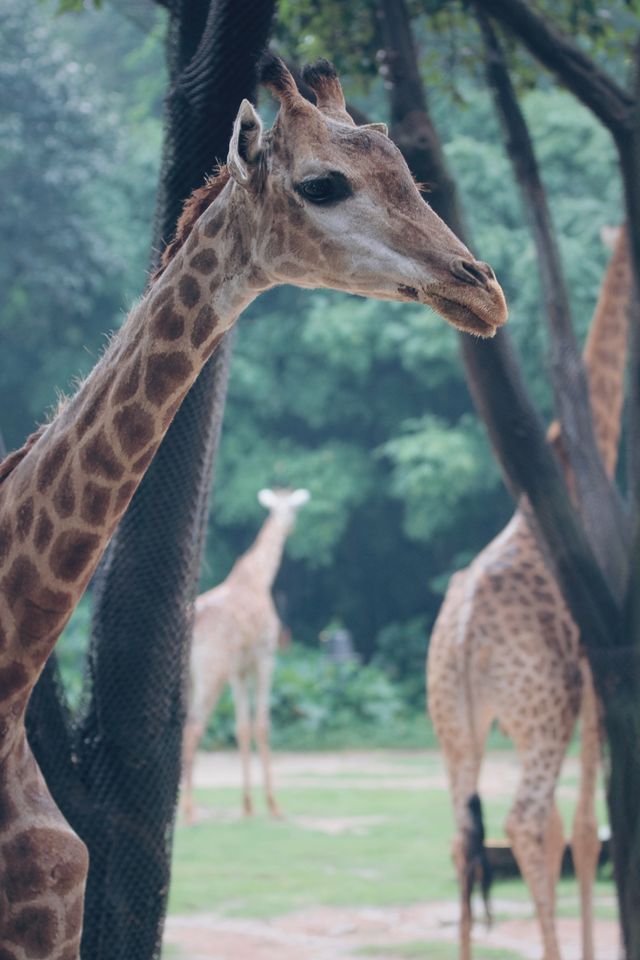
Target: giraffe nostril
x,y
472,271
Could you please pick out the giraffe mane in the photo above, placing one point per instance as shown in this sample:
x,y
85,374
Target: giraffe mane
x,y
12,460
194,207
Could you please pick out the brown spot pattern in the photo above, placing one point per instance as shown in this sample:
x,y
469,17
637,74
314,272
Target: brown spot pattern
x,y
24,519
99,459
44,530
89,416
204,325
95,503
143,462
168,324
134,427
64,498
20,580
52,463
36,929
189,290
166,372
44,611
128,382
214,225
124,494
204,262
6,538
71,554
12,678
160,298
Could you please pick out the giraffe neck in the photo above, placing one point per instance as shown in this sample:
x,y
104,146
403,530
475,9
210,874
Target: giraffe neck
x,y
61,503
606,351
262,560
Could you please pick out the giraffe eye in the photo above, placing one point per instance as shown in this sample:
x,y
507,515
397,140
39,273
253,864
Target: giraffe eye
x,y
325,189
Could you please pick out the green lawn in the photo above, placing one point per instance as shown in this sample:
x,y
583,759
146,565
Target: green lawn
x,y
262,867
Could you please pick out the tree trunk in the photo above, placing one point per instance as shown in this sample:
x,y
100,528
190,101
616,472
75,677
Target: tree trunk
x,y
610,633
118,781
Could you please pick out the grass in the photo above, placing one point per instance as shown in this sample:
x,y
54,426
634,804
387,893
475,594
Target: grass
x,y
262,868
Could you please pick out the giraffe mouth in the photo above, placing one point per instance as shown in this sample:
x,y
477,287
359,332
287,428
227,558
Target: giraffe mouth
x,y
463,317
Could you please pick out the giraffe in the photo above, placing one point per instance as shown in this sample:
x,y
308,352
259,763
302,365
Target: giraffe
x,y
316,201
235,637
504,647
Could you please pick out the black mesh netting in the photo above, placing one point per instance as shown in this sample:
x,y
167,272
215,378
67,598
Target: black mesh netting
x,y
115,769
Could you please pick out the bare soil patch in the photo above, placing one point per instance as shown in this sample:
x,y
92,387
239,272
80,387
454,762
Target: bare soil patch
x,y
332,933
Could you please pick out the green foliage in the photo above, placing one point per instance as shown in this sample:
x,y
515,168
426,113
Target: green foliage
x,y
317,703
400,653
70,180
362,402
435,465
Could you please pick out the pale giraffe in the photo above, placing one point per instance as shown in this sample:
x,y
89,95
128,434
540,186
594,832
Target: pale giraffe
x,y
505,648
317,202
235,638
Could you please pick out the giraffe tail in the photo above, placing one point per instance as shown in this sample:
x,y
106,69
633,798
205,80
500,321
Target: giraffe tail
x,y
477,866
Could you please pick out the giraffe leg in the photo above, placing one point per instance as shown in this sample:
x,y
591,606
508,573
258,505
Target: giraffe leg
x,y
204,696
466,786
463,765
584,841
530,827
554,846
265,672
243,736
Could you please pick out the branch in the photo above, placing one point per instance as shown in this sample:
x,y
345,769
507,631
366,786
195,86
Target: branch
x,y
512,421
560,54
630,162
600,504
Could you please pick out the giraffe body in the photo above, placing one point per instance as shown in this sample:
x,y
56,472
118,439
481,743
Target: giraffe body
x,y
316,201
505,648
235,639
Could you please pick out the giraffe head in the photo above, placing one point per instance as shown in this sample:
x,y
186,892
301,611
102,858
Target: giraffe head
x,y
283,504
336,206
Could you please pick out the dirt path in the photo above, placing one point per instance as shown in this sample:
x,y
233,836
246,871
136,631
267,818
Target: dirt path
x,y
331,934
328,933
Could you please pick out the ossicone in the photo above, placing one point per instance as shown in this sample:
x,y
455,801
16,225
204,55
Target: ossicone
x,y
274,74
321,76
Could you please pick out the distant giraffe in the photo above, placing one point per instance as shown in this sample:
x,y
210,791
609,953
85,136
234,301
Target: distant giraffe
x,y
316,201
235,638
505,648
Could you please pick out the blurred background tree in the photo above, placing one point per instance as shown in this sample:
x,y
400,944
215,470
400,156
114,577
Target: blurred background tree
x,y
363,402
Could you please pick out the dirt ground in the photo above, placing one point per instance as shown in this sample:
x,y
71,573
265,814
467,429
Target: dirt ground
x,y
329,933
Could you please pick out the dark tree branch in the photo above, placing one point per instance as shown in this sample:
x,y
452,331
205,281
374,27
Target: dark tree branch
x,y
600,504
630,162
560,54
513,423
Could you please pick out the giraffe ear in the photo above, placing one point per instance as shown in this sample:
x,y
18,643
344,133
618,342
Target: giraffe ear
x,y
380,127
267,498
245,148
300,497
